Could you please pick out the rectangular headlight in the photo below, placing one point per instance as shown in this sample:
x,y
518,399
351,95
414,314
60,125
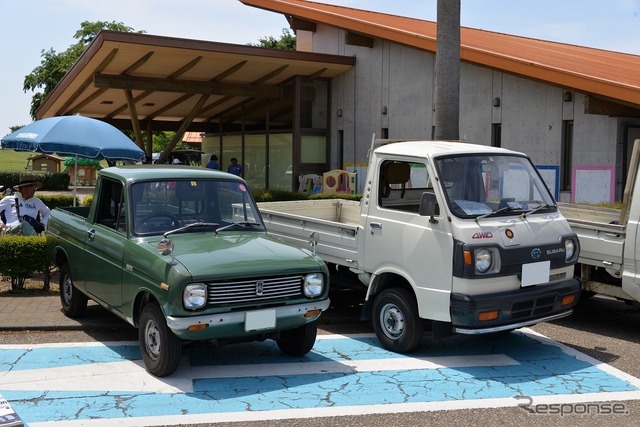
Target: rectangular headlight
x,y
194,296
313,285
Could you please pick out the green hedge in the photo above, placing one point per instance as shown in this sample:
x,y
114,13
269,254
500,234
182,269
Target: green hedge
x,y
57,201
22,256
51,181
262,195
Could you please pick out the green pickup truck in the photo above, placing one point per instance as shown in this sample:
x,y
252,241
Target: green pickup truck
x,y
182,254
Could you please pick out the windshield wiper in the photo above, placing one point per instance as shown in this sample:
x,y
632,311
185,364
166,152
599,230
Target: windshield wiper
x,y
241,224
539,208
195,224
496,212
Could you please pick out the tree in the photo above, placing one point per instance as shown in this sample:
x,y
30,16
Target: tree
x,y
447,96
287,41
53,65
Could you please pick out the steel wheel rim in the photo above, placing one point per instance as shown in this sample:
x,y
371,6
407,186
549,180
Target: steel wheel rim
x,y
392,321
152,339
67,290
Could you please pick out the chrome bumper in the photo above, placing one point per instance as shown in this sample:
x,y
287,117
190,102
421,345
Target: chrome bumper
x,y
238,317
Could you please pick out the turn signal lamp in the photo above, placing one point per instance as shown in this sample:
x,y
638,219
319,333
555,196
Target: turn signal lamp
x,y
313,313
569,299
198,327
486,316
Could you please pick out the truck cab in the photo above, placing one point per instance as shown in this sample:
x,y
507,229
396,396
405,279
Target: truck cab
x,y
471,233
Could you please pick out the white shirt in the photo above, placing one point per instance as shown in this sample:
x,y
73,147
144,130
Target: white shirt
x,y
30,207
8,206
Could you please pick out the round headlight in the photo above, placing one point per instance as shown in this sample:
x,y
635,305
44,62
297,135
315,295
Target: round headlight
x,y
313,285
194,296
569,249
483,260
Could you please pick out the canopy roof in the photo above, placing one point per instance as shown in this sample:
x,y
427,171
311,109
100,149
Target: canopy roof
x,y
168,80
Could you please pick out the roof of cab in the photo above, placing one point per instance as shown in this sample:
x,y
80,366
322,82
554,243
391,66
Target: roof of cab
x,y
163,172
435,148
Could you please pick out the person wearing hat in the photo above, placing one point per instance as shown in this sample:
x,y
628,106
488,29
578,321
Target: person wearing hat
x,y
23,210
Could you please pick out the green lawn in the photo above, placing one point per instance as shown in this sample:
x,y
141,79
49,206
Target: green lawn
x,y
14,161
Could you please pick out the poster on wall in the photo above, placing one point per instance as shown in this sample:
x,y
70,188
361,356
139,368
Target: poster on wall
x,y
360,169
551,176
593,184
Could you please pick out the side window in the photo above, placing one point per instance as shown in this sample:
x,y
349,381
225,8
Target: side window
x,y
402,185
111,209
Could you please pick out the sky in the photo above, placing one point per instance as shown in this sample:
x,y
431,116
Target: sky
x,y
29,27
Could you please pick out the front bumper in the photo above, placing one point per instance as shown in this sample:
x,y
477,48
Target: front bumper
x,y
519,308
234,321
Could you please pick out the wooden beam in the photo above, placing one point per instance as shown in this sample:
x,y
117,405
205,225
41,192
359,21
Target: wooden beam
x,y
355,39
144,94
603,107
183,127
302,24
62,111
134,119
107,81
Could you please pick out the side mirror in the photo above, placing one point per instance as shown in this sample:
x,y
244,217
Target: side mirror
x,y
428,205
165,247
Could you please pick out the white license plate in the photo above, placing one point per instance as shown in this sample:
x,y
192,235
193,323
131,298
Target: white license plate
x,y
257,320
535,273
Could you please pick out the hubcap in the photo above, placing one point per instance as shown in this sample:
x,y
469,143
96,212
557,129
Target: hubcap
x,y
152,339
67,290
392,321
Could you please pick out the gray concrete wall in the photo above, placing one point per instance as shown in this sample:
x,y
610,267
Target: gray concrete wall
x,y
401,79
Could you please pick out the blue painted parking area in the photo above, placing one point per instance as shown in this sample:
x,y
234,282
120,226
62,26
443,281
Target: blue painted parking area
x,y
97,384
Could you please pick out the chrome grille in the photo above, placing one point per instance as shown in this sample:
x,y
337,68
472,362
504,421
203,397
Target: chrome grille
x,y
254,290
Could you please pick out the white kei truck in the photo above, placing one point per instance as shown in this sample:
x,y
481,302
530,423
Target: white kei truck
x,y
449,237
609,261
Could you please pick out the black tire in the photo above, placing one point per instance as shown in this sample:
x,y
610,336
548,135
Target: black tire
x,y
160,348
396,321
74,302
298,342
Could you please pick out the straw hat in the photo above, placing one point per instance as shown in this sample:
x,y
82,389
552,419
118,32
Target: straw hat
x,y
27,180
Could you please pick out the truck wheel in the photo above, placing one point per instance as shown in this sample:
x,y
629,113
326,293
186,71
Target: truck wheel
x,y
298,342
160,348
74,302
395,320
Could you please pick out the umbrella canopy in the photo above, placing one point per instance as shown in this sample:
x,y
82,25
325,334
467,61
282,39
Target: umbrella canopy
x,y
74,136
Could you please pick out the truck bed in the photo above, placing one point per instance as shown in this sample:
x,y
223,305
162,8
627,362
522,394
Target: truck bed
x,y
601,237
336,222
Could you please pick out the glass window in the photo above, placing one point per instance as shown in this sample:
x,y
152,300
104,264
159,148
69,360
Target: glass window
x,y
111,207
192,205
280,161
479,185
402,185
314,149
255,160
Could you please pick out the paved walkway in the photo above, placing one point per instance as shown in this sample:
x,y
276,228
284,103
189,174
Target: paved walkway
x,y
43,313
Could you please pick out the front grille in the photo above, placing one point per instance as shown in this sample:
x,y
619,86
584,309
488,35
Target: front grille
x,y
254,290
532,308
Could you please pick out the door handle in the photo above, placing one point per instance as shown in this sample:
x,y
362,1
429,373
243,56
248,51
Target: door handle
x,y
375,226
91,234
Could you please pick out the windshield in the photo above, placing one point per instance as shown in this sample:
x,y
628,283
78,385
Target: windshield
x,y
192,205
478,186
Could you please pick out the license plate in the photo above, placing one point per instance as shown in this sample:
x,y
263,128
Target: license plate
x,y
535,273
257,320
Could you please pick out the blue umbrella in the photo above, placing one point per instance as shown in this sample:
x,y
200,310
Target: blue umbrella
x,y
74,136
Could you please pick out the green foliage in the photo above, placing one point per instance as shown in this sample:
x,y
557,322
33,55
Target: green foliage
x,y
22,256
287,41
82,161
262,195
57,201
54,65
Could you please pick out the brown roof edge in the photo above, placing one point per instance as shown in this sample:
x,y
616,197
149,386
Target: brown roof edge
x,y
72,73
